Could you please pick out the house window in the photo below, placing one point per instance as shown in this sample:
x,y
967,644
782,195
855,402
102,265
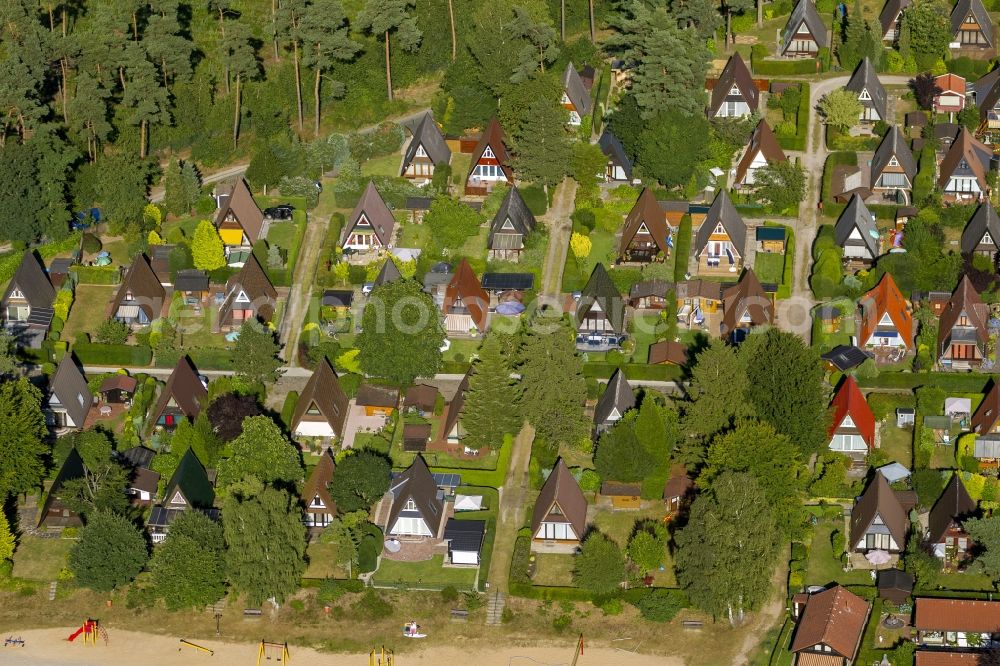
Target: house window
x,y
893,161
893,180
864,96
878,541
987,239
410,505
420,151
488,153
16,293
974,37
735,90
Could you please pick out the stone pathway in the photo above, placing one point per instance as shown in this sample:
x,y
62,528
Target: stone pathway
x,y
494,608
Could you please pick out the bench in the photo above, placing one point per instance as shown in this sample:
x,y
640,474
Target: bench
x,y
693,624
252,613
459,614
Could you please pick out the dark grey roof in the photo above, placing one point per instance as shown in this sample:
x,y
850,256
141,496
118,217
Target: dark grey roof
x,y
429,136
418,203
865,78
162,516
508,281
893,144
191,280
845,357
975,7
723,211
465,535
416,483
615,152
31,279
890,11
389,273
986,91
338,298
894,579
805,11
602,290
576,91
735,72
69,387
190,480
137,456
617,396
984,219
514,210
857,216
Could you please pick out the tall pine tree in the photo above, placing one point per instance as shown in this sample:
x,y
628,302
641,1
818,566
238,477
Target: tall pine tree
x,y
491,407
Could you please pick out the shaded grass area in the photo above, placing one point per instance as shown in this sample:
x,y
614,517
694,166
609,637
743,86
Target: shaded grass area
x,y
769,266
553,569
823,566
87,312
323,561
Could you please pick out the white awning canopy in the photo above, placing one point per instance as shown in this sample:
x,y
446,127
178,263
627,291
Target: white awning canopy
x,y
468,502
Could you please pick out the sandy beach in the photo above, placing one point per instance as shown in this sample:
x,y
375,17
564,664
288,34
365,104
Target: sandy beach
x,y
49,647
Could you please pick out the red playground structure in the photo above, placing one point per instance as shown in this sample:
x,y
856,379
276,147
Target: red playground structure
x,y
90,630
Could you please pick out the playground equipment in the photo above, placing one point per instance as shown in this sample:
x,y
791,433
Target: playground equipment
x,y
275,651
90,629
381,657
579,650
10,641
196,647
412,630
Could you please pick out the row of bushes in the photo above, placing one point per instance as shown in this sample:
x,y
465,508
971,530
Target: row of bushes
x,y
789,67
682,248
92,353
640,371
948,381
10,261
798,142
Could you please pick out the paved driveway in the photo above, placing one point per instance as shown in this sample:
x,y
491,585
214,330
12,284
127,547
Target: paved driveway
x,y
358,421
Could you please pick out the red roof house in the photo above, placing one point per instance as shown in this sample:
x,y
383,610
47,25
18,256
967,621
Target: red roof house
x,y
852,430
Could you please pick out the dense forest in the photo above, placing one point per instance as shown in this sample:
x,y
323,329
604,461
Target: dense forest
x,y
97,95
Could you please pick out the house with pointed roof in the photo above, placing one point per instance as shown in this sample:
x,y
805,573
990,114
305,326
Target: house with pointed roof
x,y
466,304
490,162
452,431
239,219
320,509
510,226
870,93
945,533
181,397
830,628
55,512
650,294
618,398
886,319
950,94
667,352
249,295
388,273
982,233
559,518
619,166
856,233
679,489
189,489
575,98
986,95
735,94
69,398
890,19
720,243
646,236
852,426
745,306
893,167
140,299
962,332
878,519
371,224
321,409
962,171
762,150
27,303
986,419
805,33
973,34
425,151
417,503
600,313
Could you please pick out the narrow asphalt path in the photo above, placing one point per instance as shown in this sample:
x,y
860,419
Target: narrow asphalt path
x,y
513,504
558,221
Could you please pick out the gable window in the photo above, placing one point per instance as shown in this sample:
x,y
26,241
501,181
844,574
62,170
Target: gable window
x,y
16,293
488,154
893,161
864,96
410,505
735,90
420,151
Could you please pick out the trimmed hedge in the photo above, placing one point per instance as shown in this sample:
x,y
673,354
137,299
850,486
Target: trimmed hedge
x,y
948,381
840,158
563,593
96,274
203,359
119,356
796,67
798,142
682,248
640,371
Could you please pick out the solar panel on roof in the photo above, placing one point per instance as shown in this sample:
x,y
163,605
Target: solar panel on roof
x,y
448,480
505,281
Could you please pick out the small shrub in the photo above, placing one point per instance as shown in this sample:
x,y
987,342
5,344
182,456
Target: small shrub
x,y
837,542
91,244
449,594
507,615
297,605
562,623
473,601
372,606
612,607
661,605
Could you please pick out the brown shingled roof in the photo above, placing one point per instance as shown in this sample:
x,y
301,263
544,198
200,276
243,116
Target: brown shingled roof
x,y
374,209
185,387
937,658
957,615
668,351
764,142
324,390
953,505
246,211
316,484
645,213
972,152
561,490
746,299
370,395
879,500
833,617
147,292
464,289
253,282
965,300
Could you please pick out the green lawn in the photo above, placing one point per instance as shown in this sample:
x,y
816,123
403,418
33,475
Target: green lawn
x,y
415,235
282,234
322,559
553,569
387,165
897,443
644,334
460,164
461,350
619,525
429,572
823,567
943,457
576,273
769,266
41,559
87,312
965,582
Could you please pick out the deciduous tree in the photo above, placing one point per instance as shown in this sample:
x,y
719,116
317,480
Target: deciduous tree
x,y
600,564
263,452
189,567
227,412
717,393
930,28
23,447
648,545
451,222
840,108
110,553
360,480
783,184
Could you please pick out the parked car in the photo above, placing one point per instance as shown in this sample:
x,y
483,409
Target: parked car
x,y
279,212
